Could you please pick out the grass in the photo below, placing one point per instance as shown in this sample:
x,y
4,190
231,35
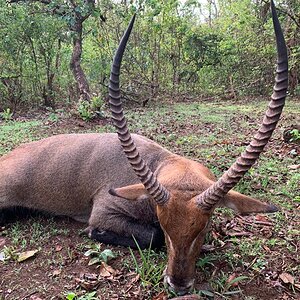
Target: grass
x,y
212,133
14,133
149,266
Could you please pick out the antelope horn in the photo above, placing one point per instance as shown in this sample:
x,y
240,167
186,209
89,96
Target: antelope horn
x,y
210,197
149,180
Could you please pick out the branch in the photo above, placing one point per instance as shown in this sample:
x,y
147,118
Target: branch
x,y
46,2
287,13
291,16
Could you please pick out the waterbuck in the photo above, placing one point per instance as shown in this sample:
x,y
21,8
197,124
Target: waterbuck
x,y
166,197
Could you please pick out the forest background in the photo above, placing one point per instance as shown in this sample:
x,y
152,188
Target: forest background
x,y
58,53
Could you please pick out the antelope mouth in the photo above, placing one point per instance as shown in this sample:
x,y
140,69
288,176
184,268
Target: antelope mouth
x,y
181,288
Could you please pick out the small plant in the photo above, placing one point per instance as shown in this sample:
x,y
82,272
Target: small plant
x,y
150,271
85,111
97,104
259,265
7,114
53,117
295,135
89,110
88,296
226,286
98,256
205,261
9,253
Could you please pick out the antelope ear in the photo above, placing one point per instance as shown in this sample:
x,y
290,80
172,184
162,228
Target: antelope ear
x,y
243,204
131,192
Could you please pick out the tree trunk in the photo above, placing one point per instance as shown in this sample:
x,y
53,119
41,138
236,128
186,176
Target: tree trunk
x,y
75,64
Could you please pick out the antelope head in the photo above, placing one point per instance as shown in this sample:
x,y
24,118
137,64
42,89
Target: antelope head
x,y
184,213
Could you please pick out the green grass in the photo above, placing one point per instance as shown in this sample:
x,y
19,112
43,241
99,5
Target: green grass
x,y
14,133
149,265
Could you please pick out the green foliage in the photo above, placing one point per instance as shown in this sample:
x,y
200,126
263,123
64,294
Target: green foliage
x,y
87,296
30,54
89,110
179,48
226,287
205,262
13,133
97,104
295,135
150,270
6,114
8,253
97,255
85,110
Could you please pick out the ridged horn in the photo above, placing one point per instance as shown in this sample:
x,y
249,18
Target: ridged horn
x,y
149,180
210,197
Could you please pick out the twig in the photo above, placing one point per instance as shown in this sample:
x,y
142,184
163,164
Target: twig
x,y
29,295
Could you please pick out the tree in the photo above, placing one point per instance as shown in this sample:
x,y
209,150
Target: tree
x,y
74,13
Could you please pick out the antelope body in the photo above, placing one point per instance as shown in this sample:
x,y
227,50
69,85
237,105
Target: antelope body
x,y
72,174
165,196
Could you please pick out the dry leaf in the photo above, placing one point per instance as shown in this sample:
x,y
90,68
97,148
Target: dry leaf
x,y
294,167
287,278
90,276
187,297
89,281
266,248
34,297
58,248
230,278
56,273
2,241
27,254
262,218
161,296
135,279
106,270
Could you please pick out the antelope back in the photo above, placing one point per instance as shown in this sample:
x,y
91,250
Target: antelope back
x,y
61,174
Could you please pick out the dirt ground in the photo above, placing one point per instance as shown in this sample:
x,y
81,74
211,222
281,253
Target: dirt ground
x,y
232,265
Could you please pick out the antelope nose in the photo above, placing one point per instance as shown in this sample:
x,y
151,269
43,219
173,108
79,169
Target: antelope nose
x,y
180,287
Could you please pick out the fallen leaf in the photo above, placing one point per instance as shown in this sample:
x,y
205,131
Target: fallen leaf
x,y
90,283
266,248
257,186
237,234
294,167
161,296
106,270
287,278
208,248
27,254
34,297
135,279
56,273
187,297
90,276
2,241
262,218
58,248
230,278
